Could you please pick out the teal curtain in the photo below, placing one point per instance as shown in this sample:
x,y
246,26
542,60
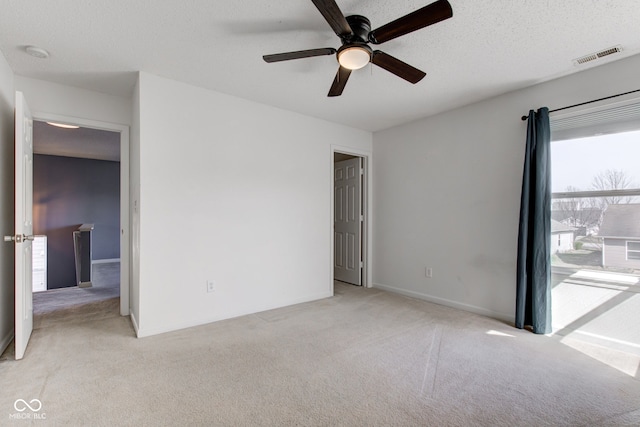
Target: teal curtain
x,y
533,293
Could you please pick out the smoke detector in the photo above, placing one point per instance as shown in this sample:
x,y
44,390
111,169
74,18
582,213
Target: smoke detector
x,y
37,52
597,55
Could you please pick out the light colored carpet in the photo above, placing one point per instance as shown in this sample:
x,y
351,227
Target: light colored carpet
x,y
106,285
74,304
362,358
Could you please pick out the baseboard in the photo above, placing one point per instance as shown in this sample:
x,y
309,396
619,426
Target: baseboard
x,y
134,322
449,303
147,332
105,261
6,340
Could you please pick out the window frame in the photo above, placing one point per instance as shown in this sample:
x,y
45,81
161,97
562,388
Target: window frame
x,y
634,251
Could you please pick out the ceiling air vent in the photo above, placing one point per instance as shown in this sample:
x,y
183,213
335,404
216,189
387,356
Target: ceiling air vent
x,y
597,55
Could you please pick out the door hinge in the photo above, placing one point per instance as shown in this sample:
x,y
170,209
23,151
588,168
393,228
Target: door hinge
x,y
18,238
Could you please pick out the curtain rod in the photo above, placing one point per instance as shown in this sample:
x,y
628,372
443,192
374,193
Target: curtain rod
x,y
588,102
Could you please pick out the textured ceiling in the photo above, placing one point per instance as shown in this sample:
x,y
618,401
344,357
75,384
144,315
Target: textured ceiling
x,y
487,48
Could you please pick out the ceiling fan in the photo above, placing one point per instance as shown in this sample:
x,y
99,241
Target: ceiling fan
x,y
355,34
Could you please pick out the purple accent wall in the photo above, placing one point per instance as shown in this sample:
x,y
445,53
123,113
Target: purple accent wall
x,y
68,192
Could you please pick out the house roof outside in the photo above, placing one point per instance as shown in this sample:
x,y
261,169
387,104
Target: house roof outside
x,y
563,215
558,227
621,221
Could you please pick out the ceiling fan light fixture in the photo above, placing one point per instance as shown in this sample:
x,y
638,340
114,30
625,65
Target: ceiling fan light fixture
x,y
354,57
355,36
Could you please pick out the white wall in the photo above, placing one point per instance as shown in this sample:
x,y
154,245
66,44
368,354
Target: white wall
x,y
447,192
7,101
54,98
235,192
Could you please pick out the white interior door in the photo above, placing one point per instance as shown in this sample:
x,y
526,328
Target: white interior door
x,y
24,224
348,221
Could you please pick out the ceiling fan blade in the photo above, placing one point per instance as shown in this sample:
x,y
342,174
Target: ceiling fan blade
x,y
397,67
428,15
339,82
334,16
276,57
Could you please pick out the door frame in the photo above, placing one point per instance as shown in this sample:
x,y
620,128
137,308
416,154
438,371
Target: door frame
x,y
123,130
367,204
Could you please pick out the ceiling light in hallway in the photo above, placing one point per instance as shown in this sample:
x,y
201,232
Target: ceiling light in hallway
x,y
62,125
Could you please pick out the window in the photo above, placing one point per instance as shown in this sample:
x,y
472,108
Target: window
x,y
633,250
596,195
595,180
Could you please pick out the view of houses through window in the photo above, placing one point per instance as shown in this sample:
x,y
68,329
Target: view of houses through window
x,y
595,240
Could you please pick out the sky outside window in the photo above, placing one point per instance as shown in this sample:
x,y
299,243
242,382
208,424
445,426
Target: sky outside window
x,y
575,162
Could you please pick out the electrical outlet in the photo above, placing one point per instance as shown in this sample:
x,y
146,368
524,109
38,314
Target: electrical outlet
x,y
211,286
428,272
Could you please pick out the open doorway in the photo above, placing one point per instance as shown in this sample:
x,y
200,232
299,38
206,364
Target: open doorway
x,y
76,214
80,194
350,218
